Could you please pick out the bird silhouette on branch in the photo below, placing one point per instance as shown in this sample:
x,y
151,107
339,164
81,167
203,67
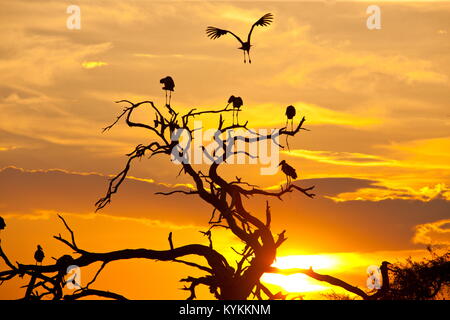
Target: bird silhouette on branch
x,y
226,280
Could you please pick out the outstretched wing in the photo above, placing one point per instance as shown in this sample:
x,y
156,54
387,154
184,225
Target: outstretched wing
x,y
264,21
214,33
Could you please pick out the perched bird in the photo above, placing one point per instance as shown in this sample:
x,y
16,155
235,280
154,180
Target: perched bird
x,y
39,255
214,33
288,171
237,104
169,86
2,223
290,114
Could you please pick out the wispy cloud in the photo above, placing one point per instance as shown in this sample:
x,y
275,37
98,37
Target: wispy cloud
x,y
8,148
263,115
198,57
43,214
342,158
433,233
78,173
93,64
383,192
418,159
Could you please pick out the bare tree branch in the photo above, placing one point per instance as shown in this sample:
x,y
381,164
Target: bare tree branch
x,y
93,292
226,198
326,278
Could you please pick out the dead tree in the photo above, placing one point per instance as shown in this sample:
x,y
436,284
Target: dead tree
x,y
225,280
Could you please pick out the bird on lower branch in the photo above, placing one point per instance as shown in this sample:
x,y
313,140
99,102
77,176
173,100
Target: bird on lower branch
x,y
288,171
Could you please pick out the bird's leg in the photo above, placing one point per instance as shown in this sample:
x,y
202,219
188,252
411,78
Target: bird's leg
x,y
237,117
232,112
244,57
170,96
166,96
292,124
248,55
286,123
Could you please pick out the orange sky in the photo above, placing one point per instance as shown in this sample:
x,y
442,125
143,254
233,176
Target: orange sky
x,y
376,102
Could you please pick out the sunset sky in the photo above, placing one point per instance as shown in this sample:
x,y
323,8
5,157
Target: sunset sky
x,y
376,102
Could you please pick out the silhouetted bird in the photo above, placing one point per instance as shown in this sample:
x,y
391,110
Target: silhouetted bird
x,y
214,33
169,86
39,255
237,104
2,223
288,171
290,114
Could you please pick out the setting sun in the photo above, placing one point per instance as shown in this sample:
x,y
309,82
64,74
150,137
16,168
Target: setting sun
x,y
293,283
317,262
299,282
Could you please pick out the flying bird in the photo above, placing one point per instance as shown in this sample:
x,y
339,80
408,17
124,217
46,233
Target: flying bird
x,y
288,171
290,114
237,104
169,86
214,33
39,255
2,223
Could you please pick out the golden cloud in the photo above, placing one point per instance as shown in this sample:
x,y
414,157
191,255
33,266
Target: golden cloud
x,y
406,193
342,158
93,64
433,233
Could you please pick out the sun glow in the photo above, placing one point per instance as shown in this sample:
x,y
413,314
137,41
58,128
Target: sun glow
x,y
292,283
299,282
305,261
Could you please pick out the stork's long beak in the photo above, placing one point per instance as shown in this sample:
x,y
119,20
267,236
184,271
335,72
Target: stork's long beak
x,y
279,164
